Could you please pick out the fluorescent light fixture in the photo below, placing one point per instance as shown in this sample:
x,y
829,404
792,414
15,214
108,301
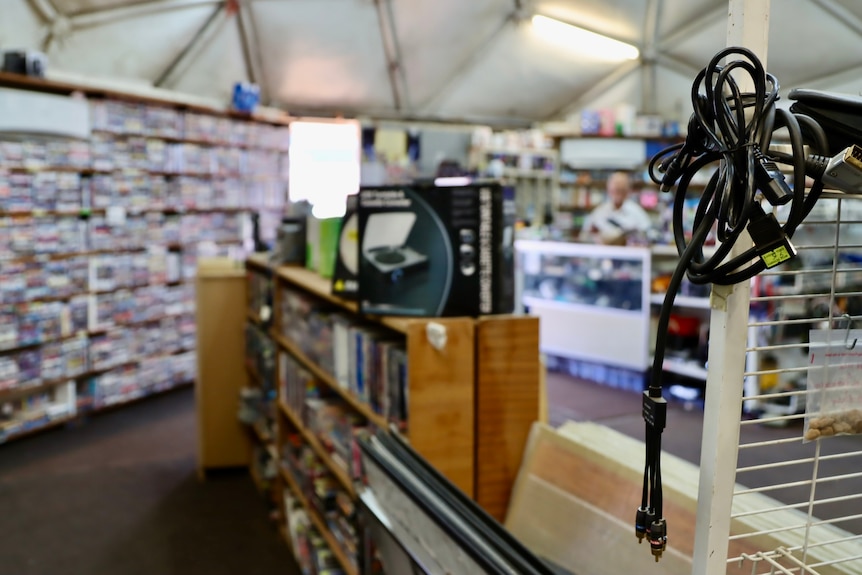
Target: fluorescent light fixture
x,y
583,41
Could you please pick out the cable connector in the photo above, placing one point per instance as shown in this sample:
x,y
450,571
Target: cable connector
x,y
844,171
770,242
770,180
641,524
655,410
658,538
672,171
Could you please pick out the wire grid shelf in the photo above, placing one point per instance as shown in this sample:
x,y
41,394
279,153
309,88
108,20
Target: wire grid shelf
x,y
797,505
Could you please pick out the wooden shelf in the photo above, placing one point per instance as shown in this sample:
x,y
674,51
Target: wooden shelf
x,y
260,261
11,393
363,408
340,473
491,361
320,524
253,374
318,286
254,318
48,257
258,480
36,84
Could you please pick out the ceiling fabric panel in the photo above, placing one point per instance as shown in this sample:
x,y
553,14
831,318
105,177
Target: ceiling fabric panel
x,y
439,38
216,66
139,50
68,7
20,26
323,54
797,42
523,77
476,60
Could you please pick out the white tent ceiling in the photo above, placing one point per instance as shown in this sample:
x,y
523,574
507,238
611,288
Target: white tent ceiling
x,y
466,60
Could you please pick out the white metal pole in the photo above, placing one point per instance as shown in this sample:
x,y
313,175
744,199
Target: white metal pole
x,y
747,26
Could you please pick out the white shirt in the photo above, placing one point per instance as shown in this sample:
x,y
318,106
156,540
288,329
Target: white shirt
x,y
611,222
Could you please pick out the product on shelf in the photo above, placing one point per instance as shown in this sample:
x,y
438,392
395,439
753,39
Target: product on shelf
x,y
368,361
336,425
296,385
100,239
436,251
36,410
260,355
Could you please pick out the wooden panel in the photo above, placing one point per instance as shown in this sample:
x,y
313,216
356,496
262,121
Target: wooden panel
x,y
593,473
220,316
507,404
441,394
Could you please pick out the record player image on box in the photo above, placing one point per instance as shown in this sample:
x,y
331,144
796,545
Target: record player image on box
x,y
384,245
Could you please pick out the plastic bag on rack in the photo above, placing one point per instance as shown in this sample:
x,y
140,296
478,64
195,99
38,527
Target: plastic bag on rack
x,y
834,404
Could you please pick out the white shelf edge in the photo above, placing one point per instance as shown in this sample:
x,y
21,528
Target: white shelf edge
x,y
686,368
682,301
532,301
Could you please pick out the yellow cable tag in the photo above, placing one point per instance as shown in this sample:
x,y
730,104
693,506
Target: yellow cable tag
x,y
778,255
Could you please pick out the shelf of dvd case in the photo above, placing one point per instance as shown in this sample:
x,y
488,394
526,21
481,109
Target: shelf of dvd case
x,y
203,142
130,210
56,422
57,256
128,399
360,406
23,391
321,287
319,524
337,470
32,344
133,362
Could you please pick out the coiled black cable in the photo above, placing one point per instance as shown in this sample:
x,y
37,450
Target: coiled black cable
x,y
730,132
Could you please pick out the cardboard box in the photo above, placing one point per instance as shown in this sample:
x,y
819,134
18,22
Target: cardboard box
x,y
430,251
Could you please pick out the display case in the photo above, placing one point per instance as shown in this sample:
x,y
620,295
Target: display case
x,y
598,307
593,302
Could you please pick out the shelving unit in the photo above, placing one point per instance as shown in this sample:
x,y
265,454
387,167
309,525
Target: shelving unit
x,y
134,203
534,173
259,403
470,406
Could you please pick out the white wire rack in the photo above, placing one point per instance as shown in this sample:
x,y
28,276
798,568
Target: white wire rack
x,y
796,506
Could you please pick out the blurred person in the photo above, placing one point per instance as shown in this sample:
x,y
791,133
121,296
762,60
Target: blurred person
x,y
618,217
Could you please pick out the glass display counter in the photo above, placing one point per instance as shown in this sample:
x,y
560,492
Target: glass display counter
x,y
593,301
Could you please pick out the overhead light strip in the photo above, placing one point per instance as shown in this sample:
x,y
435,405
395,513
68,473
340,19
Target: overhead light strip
x,y
583,41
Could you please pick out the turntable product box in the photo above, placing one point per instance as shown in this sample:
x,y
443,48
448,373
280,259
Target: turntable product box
x,y
345,278
427,250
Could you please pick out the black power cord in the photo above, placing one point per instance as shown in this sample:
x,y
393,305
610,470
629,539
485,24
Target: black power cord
x,y
730,132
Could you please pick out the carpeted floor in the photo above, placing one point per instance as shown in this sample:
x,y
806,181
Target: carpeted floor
x,y
119,495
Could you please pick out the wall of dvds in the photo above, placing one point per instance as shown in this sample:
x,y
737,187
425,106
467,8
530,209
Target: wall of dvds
x,y
99,240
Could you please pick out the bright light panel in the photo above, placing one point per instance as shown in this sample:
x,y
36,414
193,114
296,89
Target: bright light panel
x,y
324,164
583,41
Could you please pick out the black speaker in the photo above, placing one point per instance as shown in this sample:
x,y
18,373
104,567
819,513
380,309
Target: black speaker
x,y
26,62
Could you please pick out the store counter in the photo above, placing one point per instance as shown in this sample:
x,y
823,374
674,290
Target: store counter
x,y
597,310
